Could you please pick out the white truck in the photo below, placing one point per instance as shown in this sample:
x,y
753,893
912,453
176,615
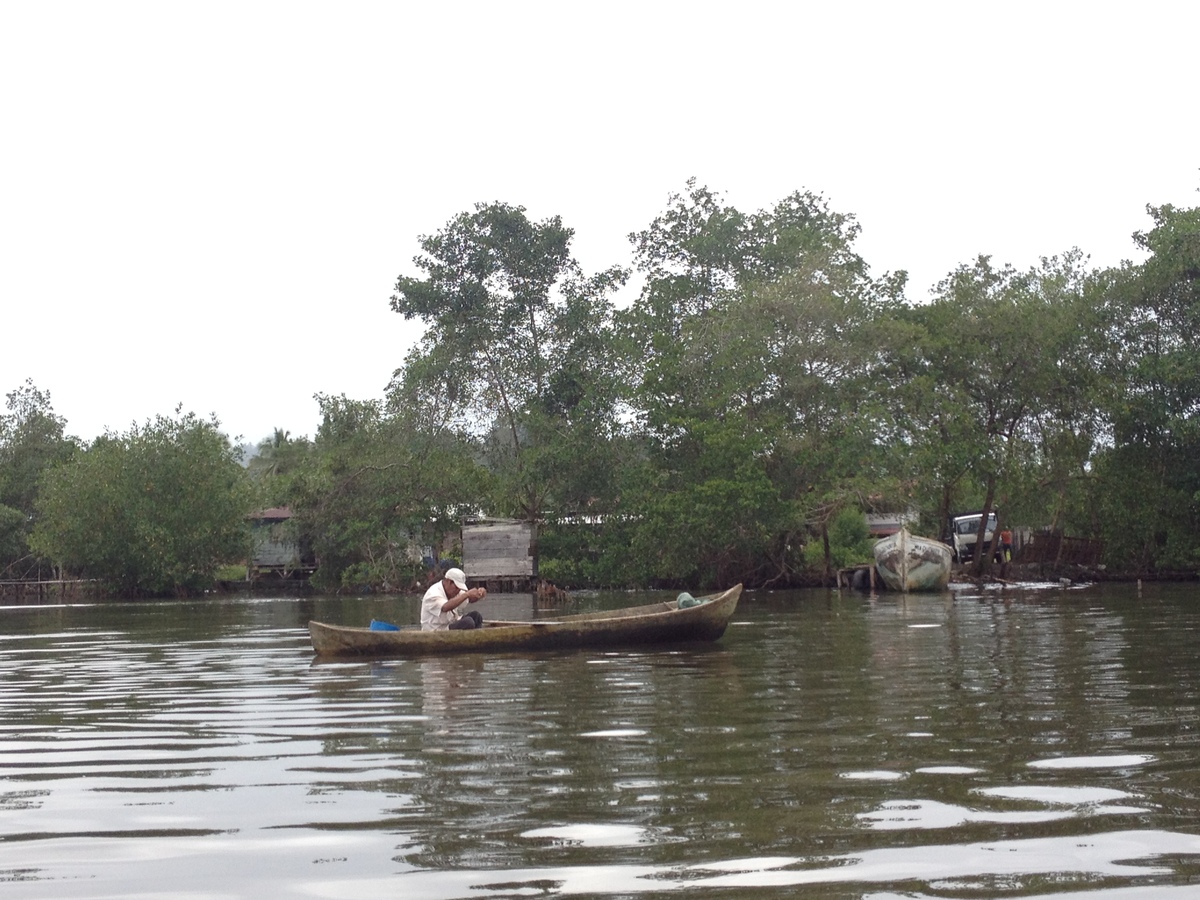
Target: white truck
x,y
964,532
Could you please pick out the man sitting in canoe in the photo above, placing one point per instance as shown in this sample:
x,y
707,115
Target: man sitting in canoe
x,y
441,607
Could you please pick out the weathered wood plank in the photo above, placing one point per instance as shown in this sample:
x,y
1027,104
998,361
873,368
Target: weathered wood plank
x,y
498,550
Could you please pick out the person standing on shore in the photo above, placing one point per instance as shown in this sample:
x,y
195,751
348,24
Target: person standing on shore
x,y
443,606
1005,546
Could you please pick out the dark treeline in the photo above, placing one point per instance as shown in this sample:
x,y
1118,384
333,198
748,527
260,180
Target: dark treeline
x,y
733,423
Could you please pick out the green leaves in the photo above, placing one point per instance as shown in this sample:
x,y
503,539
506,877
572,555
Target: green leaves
x,y
755,342
155,510
732,423
375,488
1146,477
516,354
32,440
488,292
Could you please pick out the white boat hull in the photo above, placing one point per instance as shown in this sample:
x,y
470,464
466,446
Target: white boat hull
x,y
909,563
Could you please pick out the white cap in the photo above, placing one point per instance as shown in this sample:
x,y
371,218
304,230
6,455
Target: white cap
x,y
458,577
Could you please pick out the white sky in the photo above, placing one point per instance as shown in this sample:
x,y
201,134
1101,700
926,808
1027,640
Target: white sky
x,y
208,203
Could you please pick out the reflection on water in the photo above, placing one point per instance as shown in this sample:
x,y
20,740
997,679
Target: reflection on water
x,y
1033,743
1124,761
593,835
895,815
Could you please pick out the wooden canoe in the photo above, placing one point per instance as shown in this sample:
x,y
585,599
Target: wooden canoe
x,y
910,563
657,623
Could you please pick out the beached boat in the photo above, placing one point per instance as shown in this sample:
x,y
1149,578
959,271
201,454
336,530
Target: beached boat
x,y
657,623
910,563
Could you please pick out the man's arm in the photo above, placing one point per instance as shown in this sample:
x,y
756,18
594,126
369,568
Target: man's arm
x,y
468,596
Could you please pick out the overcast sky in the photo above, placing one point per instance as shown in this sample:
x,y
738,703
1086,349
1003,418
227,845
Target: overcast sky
x,y
208,204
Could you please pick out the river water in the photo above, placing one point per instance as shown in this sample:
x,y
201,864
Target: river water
x,y
1034,743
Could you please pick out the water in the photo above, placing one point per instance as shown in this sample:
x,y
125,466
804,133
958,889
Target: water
x,y
1032,743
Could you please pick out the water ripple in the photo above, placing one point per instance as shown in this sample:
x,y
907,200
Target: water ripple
x,y
826,742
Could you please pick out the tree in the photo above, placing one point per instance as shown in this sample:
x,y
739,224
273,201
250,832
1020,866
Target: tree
x,y
757,334
278,455
515,340
1148,497
153,511
32,440
376,487
276,464
807,349
1004,348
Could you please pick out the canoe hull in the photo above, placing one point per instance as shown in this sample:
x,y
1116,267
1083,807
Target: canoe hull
x,y
657,623
910,563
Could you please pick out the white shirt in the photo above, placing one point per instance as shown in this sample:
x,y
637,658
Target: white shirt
x,y
432,617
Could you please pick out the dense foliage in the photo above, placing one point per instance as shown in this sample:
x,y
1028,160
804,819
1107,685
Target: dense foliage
x,y
32,440
155,510
732,423
375,489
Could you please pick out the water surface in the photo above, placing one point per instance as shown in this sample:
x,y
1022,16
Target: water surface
x,y
1017,743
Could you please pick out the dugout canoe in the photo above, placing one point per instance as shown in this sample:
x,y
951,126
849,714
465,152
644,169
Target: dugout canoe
x,y
656,623
907,562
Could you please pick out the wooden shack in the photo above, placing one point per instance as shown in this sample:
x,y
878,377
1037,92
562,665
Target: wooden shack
x,y
277,553
500,554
